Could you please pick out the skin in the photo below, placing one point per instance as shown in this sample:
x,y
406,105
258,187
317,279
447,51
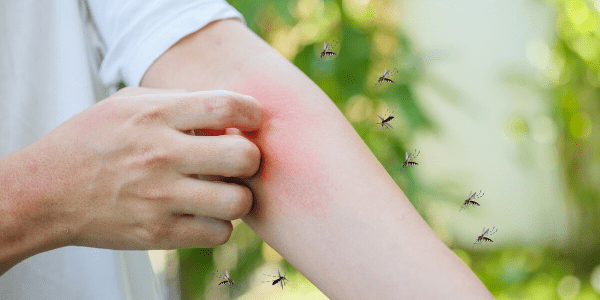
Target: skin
x,y
321,199
123,175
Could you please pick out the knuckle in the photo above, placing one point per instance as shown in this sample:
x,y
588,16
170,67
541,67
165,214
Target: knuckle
x,y
153,193
157,232
226,106
154,157
149,114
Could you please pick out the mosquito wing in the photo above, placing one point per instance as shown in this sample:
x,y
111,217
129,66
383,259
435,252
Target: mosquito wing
x,y
385,72
282,283
407,156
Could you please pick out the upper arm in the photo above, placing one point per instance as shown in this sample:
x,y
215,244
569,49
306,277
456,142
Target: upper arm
x,y
134,33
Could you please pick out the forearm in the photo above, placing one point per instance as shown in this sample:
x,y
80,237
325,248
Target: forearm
x,y
28,223
322,200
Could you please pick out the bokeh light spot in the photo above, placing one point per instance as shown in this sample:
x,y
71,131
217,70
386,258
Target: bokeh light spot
x,y
580,125
587,47
384,44
568,287
595,278
515,130
577,11
538,54
358,108
358,11
541,287
305,8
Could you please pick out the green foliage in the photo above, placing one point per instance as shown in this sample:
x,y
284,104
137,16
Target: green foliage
x,y
576,57
573,77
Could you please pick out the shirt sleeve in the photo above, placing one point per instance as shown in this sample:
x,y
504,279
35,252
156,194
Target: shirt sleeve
x,y
136,32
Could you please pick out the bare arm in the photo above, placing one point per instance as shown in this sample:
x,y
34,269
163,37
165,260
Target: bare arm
x,y
322,200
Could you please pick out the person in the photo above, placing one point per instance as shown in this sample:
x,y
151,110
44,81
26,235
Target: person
x,y
320,198
46,76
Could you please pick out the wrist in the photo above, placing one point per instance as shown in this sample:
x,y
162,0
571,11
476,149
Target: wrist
x,y
29,223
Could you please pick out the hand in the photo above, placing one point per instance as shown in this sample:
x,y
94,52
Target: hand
x,y
122,173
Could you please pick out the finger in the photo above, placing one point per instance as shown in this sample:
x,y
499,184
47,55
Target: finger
x,y
198,232
212,110
225,155
214,199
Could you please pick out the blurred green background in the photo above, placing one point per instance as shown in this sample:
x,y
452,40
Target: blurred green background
x,y
371,35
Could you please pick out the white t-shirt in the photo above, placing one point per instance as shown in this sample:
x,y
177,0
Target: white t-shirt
x,y
48,73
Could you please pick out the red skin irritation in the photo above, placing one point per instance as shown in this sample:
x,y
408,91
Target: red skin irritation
x,y
291,176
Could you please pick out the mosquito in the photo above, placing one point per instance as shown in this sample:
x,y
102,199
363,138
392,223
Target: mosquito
x,y
384,78
326,47
471,200
225,276
410,156
482,238
385,122
279,279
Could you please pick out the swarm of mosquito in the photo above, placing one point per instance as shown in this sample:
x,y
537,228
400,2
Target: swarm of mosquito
x,y
471,200
278,279
385,120
482,238
327,49
227,280
384,78
408,157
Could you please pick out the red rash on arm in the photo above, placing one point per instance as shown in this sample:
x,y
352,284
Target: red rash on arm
x,y
291,170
